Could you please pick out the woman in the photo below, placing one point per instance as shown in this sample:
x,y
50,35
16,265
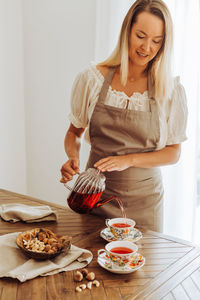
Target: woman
x,y
135,113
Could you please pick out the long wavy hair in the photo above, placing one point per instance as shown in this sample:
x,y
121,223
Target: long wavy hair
x,y
159,68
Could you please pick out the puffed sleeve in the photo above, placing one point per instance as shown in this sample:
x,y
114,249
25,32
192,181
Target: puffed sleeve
x,y
177,115
79,101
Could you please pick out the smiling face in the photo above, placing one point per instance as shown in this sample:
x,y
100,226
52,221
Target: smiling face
x,y
145,39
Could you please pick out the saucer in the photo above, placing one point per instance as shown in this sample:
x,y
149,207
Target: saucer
x,y
105,262
134,236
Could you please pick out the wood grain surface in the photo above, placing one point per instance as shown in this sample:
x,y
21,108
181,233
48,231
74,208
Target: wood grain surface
x,y
171,271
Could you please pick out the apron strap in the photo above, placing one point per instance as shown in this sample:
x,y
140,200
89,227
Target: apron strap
x,y
106,83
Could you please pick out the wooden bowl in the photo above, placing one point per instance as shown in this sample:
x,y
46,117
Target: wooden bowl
x,y
43,238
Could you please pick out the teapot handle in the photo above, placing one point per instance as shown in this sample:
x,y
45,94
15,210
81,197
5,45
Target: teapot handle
x,y
69,187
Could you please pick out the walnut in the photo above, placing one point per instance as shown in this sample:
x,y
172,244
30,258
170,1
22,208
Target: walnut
x,y
45,240
27,236
51,241
47,248
41,236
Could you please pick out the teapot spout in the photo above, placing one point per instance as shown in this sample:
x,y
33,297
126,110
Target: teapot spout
x,y
104,201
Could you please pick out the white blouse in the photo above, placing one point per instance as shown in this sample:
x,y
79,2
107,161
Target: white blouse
x,y
84,96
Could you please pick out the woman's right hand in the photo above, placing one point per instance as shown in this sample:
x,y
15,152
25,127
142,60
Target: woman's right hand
x,y
69,169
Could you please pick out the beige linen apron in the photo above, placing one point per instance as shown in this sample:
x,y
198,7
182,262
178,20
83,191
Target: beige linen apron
x,y
116,131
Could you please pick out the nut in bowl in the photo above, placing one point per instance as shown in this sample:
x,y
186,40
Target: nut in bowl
x,y
120,253
120,227
42,243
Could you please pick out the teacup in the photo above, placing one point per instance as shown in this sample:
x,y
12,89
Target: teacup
x,y
120,227
120,252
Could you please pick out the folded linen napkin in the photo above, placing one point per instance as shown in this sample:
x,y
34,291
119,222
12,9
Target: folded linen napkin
x,y
13,263
14,212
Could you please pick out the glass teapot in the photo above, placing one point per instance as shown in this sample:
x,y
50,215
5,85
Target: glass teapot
x,y
86,192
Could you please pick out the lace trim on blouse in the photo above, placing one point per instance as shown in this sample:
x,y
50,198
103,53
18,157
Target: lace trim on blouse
x,y
137,101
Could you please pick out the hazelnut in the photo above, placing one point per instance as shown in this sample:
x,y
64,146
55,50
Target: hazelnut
x,y
84,272
96,282
89,285
78,276
90,276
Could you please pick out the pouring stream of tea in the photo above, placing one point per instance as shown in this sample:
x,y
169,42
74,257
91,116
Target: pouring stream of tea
x,y
121,207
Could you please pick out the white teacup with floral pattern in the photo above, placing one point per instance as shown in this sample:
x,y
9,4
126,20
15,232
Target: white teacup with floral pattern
x,y
120,252
120,227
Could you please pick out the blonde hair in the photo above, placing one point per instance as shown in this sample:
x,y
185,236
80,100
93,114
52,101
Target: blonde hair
x,y
159,68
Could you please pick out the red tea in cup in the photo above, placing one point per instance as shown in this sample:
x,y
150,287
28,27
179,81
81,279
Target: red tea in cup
x,y
121,250
121,225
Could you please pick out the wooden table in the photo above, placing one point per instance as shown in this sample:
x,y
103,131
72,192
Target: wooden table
x,y
172,269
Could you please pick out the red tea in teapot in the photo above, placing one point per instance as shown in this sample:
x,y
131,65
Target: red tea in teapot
x,y
87,191
83,203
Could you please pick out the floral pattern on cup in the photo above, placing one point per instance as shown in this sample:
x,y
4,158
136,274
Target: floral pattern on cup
x,y
120,233
134,236
135,261
119,260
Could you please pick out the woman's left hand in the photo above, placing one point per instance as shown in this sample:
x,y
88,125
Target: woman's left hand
x,y
113,163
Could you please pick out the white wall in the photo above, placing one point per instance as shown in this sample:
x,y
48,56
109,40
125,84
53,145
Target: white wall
x,y
59,39
12,130
109,18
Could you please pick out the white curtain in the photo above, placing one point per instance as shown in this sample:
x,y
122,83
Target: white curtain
x,y
180,179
